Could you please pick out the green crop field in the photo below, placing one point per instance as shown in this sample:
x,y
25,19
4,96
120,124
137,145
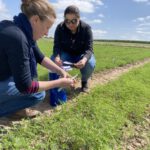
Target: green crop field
x,y
93,122
107,54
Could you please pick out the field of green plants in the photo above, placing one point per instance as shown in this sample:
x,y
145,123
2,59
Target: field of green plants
x,y
107,54
96,121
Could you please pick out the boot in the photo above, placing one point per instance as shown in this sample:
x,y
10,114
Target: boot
x,y
84,87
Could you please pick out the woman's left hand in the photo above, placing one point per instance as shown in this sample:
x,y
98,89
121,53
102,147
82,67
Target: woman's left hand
x,y
81,63
65,74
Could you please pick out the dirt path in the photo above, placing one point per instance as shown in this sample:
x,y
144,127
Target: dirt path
x,y
98,78
137,137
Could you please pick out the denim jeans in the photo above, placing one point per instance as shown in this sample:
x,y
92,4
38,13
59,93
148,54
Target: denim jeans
x,y
11,100
87,70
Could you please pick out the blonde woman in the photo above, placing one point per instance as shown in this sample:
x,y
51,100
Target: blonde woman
x,y
19,53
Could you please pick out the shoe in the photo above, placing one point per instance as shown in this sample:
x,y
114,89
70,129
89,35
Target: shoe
x,y
25,113
84,87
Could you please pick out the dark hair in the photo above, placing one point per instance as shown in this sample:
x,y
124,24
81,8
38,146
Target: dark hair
x,y
72,9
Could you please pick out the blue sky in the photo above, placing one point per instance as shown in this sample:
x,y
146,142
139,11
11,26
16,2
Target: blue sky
x,y
109,19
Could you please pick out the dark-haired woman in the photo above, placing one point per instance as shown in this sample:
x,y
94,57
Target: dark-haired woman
x,y
73,42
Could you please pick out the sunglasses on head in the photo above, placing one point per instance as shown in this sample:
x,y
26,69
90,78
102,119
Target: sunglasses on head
x,y
73,21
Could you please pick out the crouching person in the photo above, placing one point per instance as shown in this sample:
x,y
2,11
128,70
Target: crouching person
x,y
19,55
73,42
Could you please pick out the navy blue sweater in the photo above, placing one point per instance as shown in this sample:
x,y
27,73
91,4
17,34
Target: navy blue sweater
x,y
80,43
14,55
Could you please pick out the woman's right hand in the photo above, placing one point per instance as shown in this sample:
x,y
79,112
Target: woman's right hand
x,y
58,61
67,82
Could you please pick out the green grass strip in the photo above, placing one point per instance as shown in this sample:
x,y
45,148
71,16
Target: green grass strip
x,y
107,56
90,122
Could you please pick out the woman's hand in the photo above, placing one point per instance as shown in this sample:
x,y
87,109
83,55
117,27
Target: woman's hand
x,y
64,74
58,61
67,82
80,64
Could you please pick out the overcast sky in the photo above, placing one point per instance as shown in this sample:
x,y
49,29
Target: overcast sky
x,y
109,19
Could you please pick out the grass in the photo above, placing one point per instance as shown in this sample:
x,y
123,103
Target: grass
x,y
107,56
88,123
113,56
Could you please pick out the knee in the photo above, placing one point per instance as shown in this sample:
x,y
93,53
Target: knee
x,y
37,97
92,61
41,96
90,64
89,67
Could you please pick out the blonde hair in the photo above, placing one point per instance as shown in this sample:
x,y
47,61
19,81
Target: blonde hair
x,y
42,8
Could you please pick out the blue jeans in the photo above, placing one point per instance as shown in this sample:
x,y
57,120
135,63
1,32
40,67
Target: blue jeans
x,y
87,70
11,100
57,97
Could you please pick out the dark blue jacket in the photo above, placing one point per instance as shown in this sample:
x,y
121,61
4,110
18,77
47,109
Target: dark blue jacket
x,y
14,55
80,43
